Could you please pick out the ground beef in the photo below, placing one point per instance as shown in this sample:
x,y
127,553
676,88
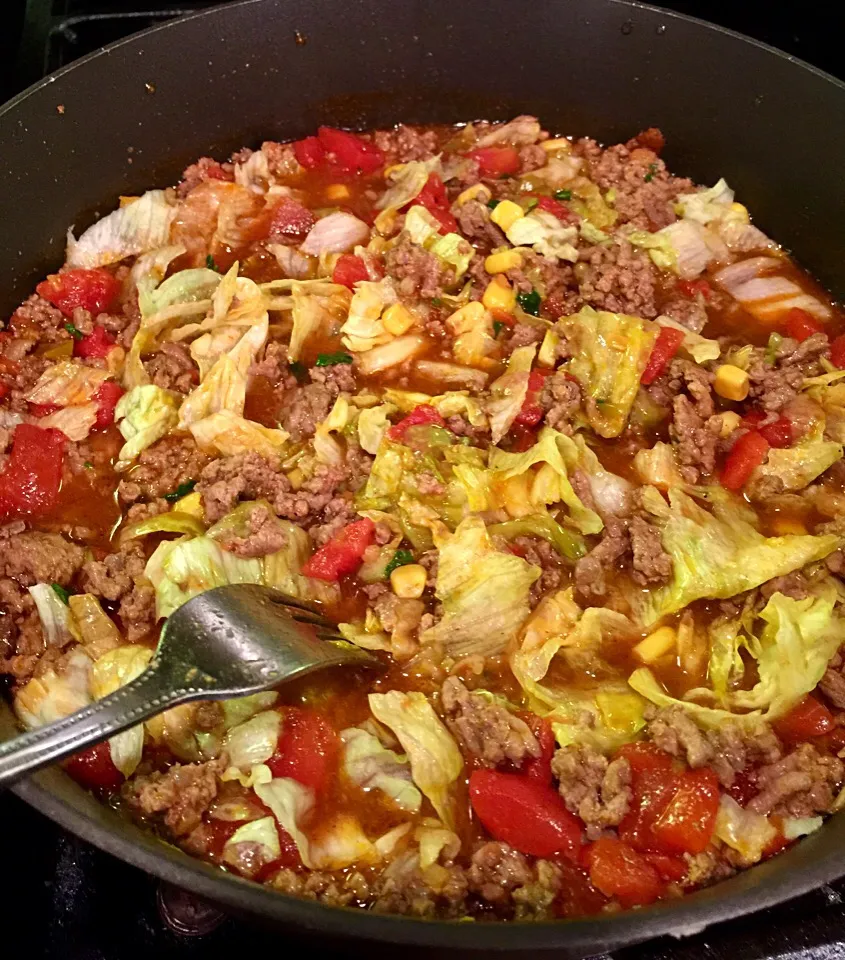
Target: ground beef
x,y
402,143
690,313
35,321
179,797
304,408
402,889
475,224
644,188
592,570
524,334
696,440
265,535
794,585
800,785
114,576
144,511
339,378
334,891
619,278
247,476
488,731
274,365
772,387
162,468
598,791
651,564
419,273
35,557
401,618
204,169
496,870
561,399
173,368
832,685
531,157
21,637
137,610
543,555
281,159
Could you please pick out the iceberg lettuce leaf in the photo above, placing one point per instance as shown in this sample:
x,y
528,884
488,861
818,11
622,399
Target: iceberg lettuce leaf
x,y
144,414
373,767
138,226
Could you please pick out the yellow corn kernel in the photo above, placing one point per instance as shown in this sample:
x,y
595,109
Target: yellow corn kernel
x,y
561,144
394,168
731,382
656,644
740,209
337,191
782,526
730,421
192,504
547,354
499,296
398,319
506,213
376,245
296,477
408,582
466,318
476,192
504,261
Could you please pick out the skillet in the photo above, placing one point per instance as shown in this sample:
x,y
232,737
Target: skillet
x,y
133,115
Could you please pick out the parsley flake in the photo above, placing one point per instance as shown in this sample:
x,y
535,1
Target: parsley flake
x,y
563,194
492,204
332,359
530,302
298,370
75,332
498,326
181,491
652,170
210,264
400,559
60,592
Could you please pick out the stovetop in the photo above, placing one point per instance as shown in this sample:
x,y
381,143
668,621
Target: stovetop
x,y
60,898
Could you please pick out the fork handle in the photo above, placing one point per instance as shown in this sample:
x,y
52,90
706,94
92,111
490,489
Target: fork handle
x,y
148,694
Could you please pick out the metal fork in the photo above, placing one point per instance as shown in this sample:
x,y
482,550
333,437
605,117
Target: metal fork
x,y
226,642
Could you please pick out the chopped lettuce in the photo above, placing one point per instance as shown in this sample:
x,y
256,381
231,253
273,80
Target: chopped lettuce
x,y
261,833
609,354
254,740
315,310
363,328
110,672
829,391
484,592
589,204
720,554
227,433
658,467
543,232
290,802
795,467
67,383
684,247
98,633
707,205
137,227
373,767
406,182
745,831
342,843
567,543
436,761
508,392
57,623
144,414
53,695
327,449
373,423
451,249
74,422
473,329
699,348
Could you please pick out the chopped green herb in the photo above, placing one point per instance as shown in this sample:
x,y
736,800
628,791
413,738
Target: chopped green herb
x,y
88,465
436,302
210,264
492,204
181,491
498,326
563,194
530,302
531,205
652,170
400,559
333,359
60,592
75,332
298,370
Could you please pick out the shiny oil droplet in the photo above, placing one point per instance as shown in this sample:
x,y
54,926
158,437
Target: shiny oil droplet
x,y
299,38
150,87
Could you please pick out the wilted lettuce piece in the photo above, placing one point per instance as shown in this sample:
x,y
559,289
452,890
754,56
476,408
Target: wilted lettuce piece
x,y
704,206
451,249
699,348
56,621
484,592
567,543
254,740
173,521
98,633
67,383
405,184
53,694
829,391
373,423
187,286
609,354
327,449
508,392
550,484
261,833
745,831
283,569
74,422
434,841
373,767
315,309
436,761
560,633
148,270
227,433
720,554
793,468
357,633
144,414
726,666
658,467
684,247
135,228
455,402
543,232
290,803
341,843
588,202
363,328
472,326
110,672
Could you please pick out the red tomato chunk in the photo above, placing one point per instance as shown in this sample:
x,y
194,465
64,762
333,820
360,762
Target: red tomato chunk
x,y
93,290
745,456
106,398
94,768
809,718
665,347
423,415
619,871
349,270
343,554
31,481
96,345
308,749
800,325
496,161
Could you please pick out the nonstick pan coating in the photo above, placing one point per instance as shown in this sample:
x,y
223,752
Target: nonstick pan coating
x,y
133,115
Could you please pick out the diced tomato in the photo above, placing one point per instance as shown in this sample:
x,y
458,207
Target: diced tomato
x,y
689,288
652,792
423,415
290,222
554,207
351,152
540,768
743,788
577,897
668,868
776,844
527,814
836,740
532,413
106,398
620,872
808,718
343,554
745,456
93,290
837,352
97,344
308,749
4,390
94,768
42,409
309,153
496,161
665,347
349,270
433,198
800,325
31,481
778,434
645,757
686,823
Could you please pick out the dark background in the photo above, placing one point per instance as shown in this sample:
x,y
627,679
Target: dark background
x,y
59,897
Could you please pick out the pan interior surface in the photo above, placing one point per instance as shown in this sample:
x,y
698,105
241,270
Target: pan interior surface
x,y
132,116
